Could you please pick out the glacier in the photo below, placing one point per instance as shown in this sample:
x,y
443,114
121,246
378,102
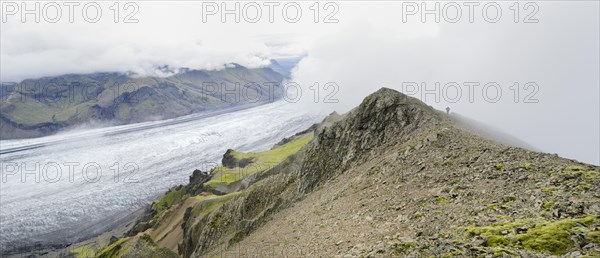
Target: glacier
x,y
64,188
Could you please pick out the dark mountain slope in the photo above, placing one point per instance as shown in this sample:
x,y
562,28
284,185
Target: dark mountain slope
x,y
37,107
396,178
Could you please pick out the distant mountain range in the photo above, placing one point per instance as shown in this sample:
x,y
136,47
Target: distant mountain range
x,y
43,106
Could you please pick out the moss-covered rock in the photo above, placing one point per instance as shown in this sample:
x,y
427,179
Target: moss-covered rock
x,y
553,237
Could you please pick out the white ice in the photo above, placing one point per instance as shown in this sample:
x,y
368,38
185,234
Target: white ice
x,y
163,153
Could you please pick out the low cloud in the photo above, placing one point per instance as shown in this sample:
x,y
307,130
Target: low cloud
x,y
559,54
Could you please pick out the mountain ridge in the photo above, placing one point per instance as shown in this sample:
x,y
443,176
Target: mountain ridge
x,y
393,177
43,106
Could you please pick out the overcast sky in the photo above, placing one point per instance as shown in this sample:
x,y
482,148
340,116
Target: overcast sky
x,y
554,61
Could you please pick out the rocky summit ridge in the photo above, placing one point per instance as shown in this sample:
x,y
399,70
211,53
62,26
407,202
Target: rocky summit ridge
x,y
393,177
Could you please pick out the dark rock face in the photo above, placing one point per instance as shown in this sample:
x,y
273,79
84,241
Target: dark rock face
x,y
230,161
102,113
197,180
383,118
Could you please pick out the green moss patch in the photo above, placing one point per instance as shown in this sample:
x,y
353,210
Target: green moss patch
x,y
174,196
499,166
442,200
554,237
84,251
403,248
527,166
116,249
548,205
210,203
578,179
593,236
278,153
581,172
261,161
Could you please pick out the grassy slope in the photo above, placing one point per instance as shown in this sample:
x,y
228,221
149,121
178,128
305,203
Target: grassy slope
x,y
261,161
166,230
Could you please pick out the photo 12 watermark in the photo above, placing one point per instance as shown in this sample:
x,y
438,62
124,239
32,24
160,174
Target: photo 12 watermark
x,y
270,11
68,171
67,92
69,11
472,91
470,11
288,91
132,92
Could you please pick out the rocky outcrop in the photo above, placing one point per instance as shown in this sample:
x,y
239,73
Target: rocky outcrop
x,y
229,160
197,180
383,118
